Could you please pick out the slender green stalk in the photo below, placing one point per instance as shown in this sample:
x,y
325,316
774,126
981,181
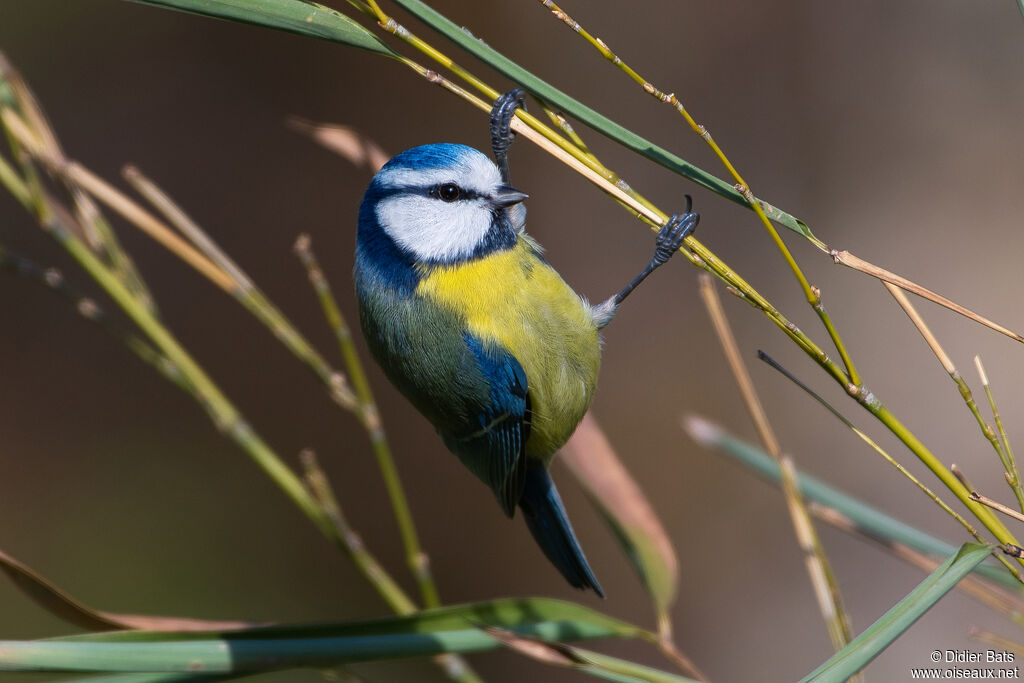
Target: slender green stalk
x,y
991,522
712,263
1007,602
386,586
231,422
819,569
343,535
812,294
570,133
986,429
225,415
95,227
888,458
1010,464
944,474
893,623
90,310
871,519
419,561
9,178
239,655
188,375
607,181
320,486
947,364
857,390
213,263
570,146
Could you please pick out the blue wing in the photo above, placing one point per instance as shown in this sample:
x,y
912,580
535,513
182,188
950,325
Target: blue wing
x,y
495,452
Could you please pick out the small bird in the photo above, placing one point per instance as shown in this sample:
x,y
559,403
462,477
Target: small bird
x,y
477,330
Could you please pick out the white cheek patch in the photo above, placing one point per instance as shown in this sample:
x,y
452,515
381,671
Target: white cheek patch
x,y
434,230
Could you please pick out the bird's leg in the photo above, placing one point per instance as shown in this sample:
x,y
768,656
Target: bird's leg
x,y
670,237
501,134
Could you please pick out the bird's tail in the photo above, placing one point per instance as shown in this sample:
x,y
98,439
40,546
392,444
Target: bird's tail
x,y
545,516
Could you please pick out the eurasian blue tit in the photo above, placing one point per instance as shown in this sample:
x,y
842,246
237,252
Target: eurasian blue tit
x,y
475,328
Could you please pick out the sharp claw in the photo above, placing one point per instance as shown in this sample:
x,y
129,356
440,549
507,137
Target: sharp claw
x,y
501,118
504,109
674,232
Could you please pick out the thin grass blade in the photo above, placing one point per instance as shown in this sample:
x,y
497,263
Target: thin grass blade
x,y
870,518
893,623
443,630
560,100
520,614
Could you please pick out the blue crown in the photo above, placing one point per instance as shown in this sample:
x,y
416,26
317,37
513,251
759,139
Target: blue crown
x,y
436,155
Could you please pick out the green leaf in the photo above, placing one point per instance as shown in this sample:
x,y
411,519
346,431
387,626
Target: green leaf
x,y
173,677
313,19
866,517
888,628
295,16
602,124
448,629
524,615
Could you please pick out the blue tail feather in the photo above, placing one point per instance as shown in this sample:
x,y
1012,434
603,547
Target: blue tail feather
x,y
547,520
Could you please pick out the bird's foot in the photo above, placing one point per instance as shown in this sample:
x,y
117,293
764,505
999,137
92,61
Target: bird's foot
x,y
501,133
671,236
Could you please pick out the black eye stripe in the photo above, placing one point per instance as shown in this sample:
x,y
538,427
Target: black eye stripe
x,y
429,191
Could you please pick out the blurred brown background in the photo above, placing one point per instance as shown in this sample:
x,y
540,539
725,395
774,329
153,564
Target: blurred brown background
x,y
892,128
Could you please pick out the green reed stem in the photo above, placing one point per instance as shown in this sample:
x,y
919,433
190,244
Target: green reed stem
x,y
1010,463
812,294
419,561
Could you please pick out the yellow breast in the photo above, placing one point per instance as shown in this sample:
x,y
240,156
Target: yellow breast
x,y
514,299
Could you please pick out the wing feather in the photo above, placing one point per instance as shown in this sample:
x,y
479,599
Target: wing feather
x,y
495,452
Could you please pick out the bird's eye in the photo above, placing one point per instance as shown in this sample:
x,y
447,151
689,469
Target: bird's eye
x,y
449,192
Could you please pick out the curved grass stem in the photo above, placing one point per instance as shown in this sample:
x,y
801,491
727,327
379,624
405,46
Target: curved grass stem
x,y
167,353
418,560
944,474
1010,464
889,459
812,294
947,364
819,569
231,422
368,564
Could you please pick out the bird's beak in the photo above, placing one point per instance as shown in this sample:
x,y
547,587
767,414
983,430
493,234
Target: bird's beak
x,y
507,196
